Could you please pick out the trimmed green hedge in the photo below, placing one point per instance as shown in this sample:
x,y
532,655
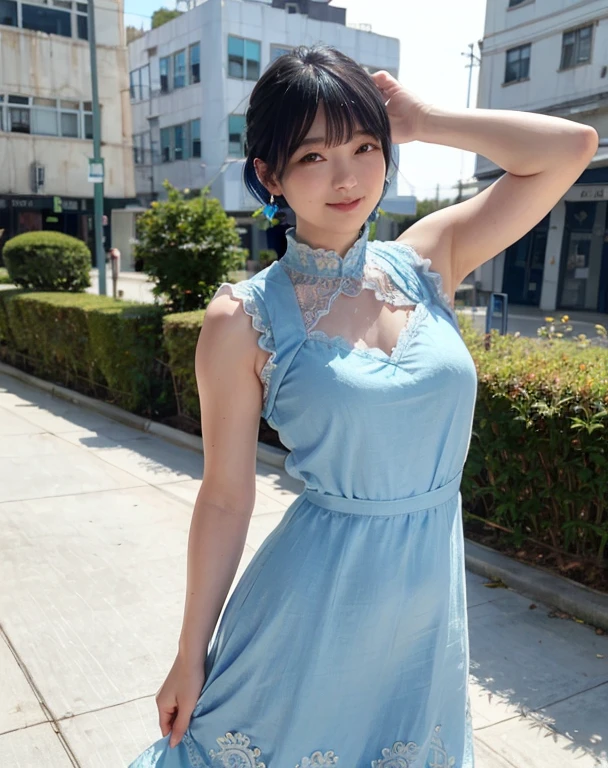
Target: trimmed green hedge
x,y
4,278
181,334
538,461
93,343
48,261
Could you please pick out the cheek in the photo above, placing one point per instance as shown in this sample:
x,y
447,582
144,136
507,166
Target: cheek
x,y
304,184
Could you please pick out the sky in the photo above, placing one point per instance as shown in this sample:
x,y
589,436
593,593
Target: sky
x,y
433,35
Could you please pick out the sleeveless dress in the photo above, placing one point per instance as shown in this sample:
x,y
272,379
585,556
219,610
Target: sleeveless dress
x,y
345,642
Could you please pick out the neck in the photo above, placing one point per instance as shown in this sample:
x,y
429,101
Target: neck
x,y
329,241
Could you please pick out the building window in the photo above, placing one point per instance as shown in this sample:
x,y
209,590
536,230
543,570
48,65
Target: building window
x,y
291,7
138,148
8,13
195,138
133,84
165,145
236,135
244,58
164,65
179,145
83,27
576,47
278,50
48,20
19,116
46,117
139,83
518,64
514,3
195,63
179,69
53,21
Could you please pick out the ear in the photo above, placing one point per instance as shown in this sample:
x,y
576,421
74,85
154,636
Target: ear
x,y
267,180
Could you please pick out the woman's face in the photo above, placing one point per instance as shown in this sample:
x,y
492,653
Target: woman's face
x,y
333,189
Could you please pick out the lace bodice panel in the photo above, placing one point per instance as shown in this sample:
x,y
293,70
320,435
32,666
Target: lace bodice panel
x,y
364,302
364,313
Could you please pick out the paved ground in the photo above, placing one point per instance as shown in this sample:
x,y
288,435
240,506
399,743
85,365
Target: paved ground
x,y
93,530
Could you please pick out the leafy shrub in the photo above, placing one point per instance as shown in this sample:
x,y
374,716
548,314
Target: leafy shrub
x,y
538,460
181,333
4,278
93,344
48,261
188,247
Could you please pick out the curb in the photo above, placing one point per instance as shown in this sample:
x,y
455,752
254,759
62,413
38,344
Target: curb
x,y
536,583
539,584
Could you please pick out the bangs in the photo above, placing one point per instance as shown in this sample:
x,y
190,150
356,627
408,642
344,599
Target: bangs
x,y
348,108
285,101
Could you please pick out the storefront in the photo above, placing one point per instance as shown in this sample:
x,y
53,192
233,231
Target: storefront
x,y
562,263
19,214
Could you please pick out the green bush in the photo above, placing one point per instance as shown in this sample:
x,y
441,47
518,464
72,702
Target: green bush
x,y
4,278
181,333
538,460
93,344
188,247
48,261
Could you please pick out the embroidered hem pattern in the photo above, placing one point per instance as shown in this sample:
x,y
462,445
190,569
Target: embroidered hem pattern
x,y
236,751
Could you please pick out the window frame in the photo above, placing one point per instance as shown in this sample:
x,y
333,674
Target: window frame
x,y
576,61
167,75
194,78
520,48
246,61
166,133
35,107
183,70
241,152
195,136
76,11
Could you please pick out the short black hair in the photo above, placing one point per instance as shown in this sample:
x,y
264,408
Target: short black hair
x,y
285,100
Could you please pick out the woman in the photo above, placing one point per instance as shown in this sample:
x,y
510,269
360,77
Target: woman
x,y
345,641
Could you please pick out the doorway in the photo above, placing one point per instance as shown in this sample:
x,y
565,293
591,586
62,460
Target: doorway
x,y
524,266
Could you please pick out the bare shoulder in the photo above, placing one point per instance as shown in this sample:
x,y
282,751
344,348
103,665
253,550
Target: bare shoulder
x,y
431,240
227,332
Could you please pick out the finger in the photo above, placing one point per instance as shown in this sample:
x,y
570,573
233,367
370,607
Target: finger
x,y
179,728
165,719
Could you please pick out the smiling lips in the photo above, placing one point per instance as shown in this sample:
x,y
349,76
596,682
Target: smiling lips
x,y
347,205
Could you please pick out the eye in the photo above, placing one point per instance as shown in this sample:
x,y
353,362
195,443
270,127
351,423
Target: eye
x,y
310,157
367,147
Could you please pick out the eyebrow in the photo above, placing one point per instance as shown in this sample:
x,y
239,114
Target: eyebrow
x,y
321,139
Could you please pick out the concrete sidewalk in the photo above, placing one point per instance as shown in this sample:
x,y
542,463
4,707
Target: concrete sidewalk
x,y
94,519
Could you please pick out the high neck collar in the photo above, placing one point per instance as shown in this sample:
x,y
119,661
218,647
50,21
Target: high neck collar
x,y
325,263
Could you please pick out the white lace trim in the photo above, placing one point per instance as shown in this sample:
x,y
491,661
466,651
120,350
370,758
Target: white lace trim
x,y
236,752
317,294
243,293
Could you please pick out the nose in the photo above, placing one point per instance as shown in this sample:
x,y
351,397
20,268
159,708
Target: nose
x,y
344,178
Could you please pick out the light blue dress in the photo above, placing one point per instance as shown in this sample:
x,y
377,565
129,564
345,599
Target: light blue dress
x,y
345,641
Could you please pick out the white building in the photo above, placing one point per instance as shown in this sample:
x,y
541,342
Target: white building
x,y
190,83
549,56
45,115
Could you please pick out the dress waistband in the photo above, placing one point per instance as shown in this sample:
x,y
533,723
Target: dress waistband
x,y
418,503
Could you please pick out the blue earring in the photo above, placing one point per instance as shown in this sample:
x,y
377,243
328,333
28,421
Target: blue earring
x,y
270,209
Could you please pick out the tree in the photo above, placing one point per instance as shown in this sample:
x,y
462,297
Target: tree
x,y
133,33
162,16
188,247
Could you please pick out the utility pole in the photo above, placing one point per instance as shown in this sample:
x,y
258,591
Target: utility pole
x,y
97,160
474,61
